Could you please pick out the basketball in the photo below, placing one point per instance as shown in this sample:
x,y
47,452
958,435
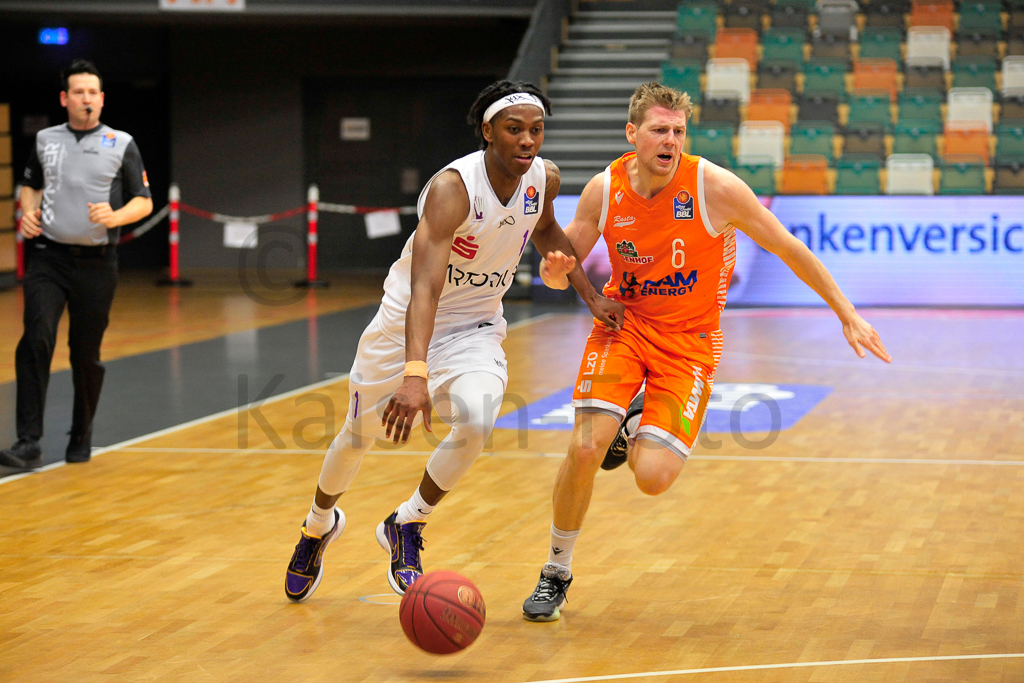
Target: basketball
x,y
442,613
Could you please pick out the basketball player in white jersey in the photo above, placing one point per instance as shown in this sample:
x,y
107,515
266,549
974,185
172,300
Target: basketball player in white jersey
x,y
439,328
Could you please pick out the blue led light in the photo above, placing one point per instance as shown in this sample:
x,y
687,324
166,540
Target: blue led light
x,y
53,36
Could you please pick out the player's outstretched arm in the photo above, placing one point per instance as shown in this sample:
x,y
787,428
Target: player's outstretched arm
x,y
446,207
563,255
730,202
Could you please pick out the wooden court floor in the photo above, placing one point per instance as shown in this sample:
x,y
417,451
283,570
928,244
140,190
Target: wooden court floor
x,y
886,525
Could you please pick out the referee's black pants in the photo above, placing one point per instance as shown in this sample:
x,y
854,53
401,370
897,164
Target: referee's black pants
x,y
56,276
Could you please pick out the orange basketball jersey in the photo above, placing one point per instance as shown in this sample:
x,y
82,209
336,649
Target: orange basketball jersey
x,y
669,265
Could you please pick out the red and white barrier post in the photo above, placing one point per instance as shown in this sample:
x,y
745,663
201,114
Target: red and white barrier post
x,y
312,237
173,238
19,240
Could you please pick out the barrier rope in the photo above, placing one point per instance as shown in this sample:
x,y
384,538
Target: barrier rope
x,y
145,227
224,218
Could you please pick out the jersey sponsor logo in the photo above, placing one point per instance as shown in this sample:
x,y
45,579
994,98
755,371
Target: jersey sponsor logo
x,y
109,140
618,197
623,221
464,247
459,277
145,178
507,220
629,253
531,203
682,206
670,285
478,209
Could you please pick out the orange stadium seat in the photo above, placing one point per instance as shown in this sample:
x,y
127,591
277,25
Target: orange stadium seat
x,y
770,105
737,43
967,138
932,13
876,74
805,174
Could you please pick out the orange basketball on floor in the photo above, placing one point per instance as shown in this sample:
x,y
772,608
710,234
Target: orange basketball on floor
x,y
442,612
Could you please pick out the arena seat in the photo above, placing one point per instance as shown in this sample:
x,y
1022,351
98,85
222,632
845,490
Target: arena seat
x,y
729,75
981,16
789,14
737,43
837,18
684,75
974,72
932,13
770,105
864,139
690,46
924,72
870,106
830,46
858,174
929,42
805,174
783,44
917,137
777,74
819,106
969,104
920,104
812,137
1013,73
881,42
978,43
963,174
1009,176
758,173
700,18
910,174
886,14
967,137
1010,139
825,75
876,74
721,107
762,139
712,140
743,14
1012,104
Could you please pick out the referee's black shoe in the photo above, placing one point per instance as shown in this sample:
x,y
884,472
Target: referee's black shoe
x,y
25,455
79,449
618,451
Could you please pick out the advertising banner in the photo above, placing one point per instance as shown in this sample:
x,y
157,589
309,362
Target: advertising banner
x,y
883,251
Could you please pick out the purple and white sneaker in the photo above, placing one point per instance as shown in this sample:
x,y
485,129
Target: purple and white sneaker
x,y
404,543
306,566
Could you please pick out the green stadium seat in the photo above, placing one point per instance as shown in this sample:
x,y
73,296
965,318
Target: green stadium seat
x,y
783,44
974,72
962,174
920,104
684,75
759,175
918,137
978,43
698,18
870,106
812,137
825,75
1010,138
979,15
881,43
712,140
858,174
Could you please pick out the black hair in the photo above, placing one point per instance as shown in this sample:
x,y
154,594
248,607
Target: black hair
x,y
79,66
493,93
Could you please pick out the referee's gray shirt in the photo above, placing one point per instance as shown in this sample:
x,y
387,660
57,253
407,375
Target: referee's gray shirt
x,y
76,167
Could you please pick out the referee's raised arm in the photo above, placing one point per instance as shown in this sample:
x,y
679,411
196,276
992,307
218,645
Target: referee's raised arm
x,y
83,180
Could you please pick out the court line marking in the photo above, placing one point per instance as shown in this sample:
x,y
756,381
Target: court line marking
x,y
788,665
541,454
366,599
230,411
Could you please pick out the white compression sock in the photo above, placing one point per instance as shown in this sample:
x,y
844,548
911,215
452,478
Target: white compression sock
x,y
413,510
562,544
319,521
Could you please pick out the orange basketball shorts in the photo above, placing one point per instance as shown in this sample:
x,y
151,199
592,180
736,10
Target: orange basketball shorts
x,y
679,370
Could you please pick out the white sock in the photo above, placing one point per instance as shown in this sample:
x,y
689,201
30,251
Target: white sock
x,y
413,510
319,521
562,543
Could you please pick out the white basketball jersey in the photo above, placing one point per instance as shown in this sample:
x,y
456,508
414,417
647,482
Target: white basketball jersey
x,y
485,252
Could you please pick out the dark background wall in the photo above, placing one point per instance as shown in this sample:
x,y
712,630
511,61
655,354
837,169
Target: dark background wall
x,y
243,114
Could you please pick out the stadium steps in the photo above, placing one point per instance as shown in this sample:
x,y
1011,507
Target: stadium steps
x,y
606,56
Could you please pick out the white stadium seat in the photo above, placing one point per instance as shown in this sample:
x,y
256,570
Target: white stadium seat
x,y
929,41
970,104
729,74
909,174
763,138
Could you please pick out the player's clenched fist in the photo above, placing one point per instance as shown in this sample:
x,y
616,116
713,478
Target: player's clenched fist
x,y
102,213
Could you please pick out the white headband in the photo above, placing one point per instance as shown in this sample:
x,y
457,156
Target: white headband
x,y
511,101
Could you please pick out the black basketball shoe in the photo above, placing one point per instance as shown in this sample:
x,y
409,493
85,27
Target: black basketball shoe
x,y
24,454
617,452
548,597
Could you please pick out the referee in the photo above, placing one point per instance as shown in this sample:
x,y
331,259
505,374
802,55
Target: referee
x,y
83,180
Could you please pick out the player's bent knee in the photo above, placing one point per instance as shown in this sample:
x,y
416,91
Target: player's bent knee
x,y
654,483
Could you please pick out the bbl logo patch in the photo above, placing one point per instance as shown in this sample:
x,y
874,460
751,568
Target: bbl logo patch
x,y
109,140
682,206
530,202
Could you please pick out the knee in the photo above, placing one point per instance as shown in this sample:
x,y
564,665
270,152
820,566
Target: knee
x,y
586,460
471,435
654,483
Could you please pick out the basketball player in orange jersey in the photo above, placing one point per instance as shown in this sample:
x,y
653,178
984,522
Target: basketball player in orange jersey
x,y
669,220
